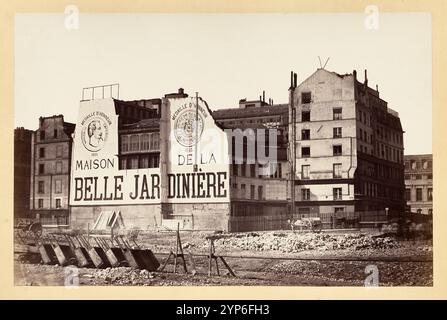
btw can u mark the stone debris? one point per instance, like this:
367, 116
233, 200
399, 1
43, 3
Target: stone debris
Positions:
121, 276
297, 242
389, 273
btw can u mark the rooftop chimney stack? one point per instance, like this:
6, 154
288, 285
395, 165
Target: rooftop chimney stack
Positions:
263, 95
291, 79
294, 80
355, 74
366, 77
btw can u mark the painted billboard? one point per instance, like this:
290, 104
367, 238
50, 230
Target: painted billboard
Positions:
197, 169
198, 162
95, 175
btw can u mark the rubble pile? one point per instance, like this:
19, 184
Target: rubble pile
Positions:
295, 242
121, 276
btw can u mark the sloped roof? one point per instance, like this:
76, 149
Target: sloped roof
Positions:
265, 111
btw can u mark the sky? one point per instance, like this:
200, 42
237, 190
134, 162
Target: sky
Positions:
224, 57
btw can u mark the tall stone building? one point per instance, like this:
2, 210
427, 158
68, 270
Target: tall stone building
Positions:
259, 193
50, 171
419, 183
348, 150
22, 172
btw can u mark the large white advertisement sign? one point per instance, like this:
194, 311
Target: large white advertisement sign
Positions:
95, 177
198, 169
197, 153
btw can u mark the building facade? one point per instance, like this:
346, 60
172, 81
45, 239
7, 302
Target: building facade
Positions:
259, 191
348, 149
22, 172
419, 183
334, 151
51, 147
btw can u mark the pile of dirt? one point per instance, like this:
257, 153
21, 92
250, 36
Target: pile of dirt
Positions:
296, 242
121, 276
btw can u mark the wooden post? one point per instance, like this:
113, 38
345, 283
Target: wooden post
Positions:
210, 254
176, 248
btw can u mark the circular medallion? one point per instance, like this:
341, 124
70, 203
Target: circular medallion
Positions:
94, 134
187, 130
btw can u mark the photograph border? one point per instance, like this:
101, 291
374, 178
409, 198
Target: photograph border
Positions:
438, 11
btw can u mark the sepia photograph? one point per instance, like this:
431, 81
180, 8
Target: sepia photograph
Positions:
223, 149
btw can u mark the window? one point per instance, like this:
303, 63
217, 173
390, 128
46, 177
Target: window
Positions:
41, 187
58, 167
418, 176
429, 164
41, 152
408, 194
337, 170
134, 163
234, 185
305, 134
123, 163
418, 194
260, 193
418, 165
243, 170
42, 135
305, 116
144, 162
337, 113
306, 97
430, 176
305, 171
337, 132
235, 169
361, 134
305, 194
337, 193
155, 141
252, 192
407, 177
430, 211
55, 133
243, 190
59, 150
58, 204
337, 150
252, 170
407, 165
58, 186
40, 203
305, 152
419, 211
144, 141
41, 168
134, 142
124, 143
430, 194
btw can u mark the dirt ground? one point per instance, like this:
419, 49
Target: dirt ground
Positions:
400, 264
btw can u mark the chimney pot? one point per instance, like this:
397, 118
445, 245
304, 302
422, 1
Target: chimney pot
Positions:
294, 80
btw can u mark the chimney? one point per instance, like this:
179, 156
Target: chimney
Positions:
291, 79
263, 95
366, 77
355, 74
180, 91
260, 98
294, 80
377, 87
